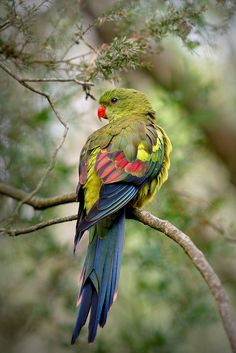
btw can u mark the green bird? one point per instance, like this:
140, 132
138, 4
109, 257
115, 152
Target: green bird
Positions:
122, 165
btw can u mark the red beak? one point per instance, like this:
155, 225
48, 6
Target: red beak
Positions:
102, 112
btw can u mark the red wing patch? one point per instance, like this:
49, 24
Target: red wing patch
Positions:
104, 172
120, 160
122, 164
102, 162
114, 176
114, 167
136, 167
119, 157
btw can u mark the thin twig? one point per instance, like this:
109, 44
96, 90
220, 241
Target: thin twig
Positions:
81, 37
220, 230
67, 50
90, 26
52, 79
59, 61
38, 226
5, 25
35, 9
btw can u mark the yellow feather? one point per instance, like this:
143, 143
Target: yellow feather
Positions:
142, 154
163, 175
157, 145
93, 182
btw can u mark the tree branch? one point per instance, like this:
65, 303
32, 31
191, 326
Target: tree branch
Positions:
38, 203
38, 226
53, 79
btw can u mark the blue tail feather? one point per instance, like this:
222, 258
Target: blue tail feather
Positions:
97, 307
86, 300
100, 278
111, 289
106, 306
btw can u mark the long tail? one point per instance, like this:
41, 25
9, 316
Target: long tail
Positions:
100, 276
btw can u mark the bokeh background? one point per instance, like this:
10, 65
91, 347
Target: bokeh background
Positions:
182, 54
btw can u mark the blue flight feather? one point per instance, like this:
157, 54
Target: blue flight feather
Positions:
108, 205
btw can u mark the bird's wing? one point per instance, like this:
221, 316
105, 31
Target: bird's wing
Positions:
130, 158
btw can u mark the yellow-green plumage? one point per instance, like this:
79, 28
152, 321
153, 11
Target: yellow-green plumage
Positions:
122, 164
149, 190
93, 183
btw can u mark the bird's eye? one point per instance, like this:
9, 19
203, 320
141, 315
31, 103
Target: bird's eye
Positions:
114, 100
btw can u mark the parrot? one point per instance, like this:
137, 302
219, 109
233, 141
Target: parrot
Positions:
122, 165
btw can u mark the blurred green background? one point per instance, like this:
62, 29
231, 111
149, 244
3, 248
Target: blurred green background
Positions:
182, 54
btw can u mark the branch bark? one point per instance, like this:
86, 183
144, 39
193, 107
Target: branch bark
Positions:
38, 203
53, 79
38, 226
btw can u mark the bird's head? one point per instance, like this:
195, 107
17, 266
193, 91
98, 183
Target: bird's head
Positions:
122, 103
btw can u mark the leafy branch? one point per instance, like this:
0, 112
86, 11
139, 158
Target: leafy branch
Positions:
138, 28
